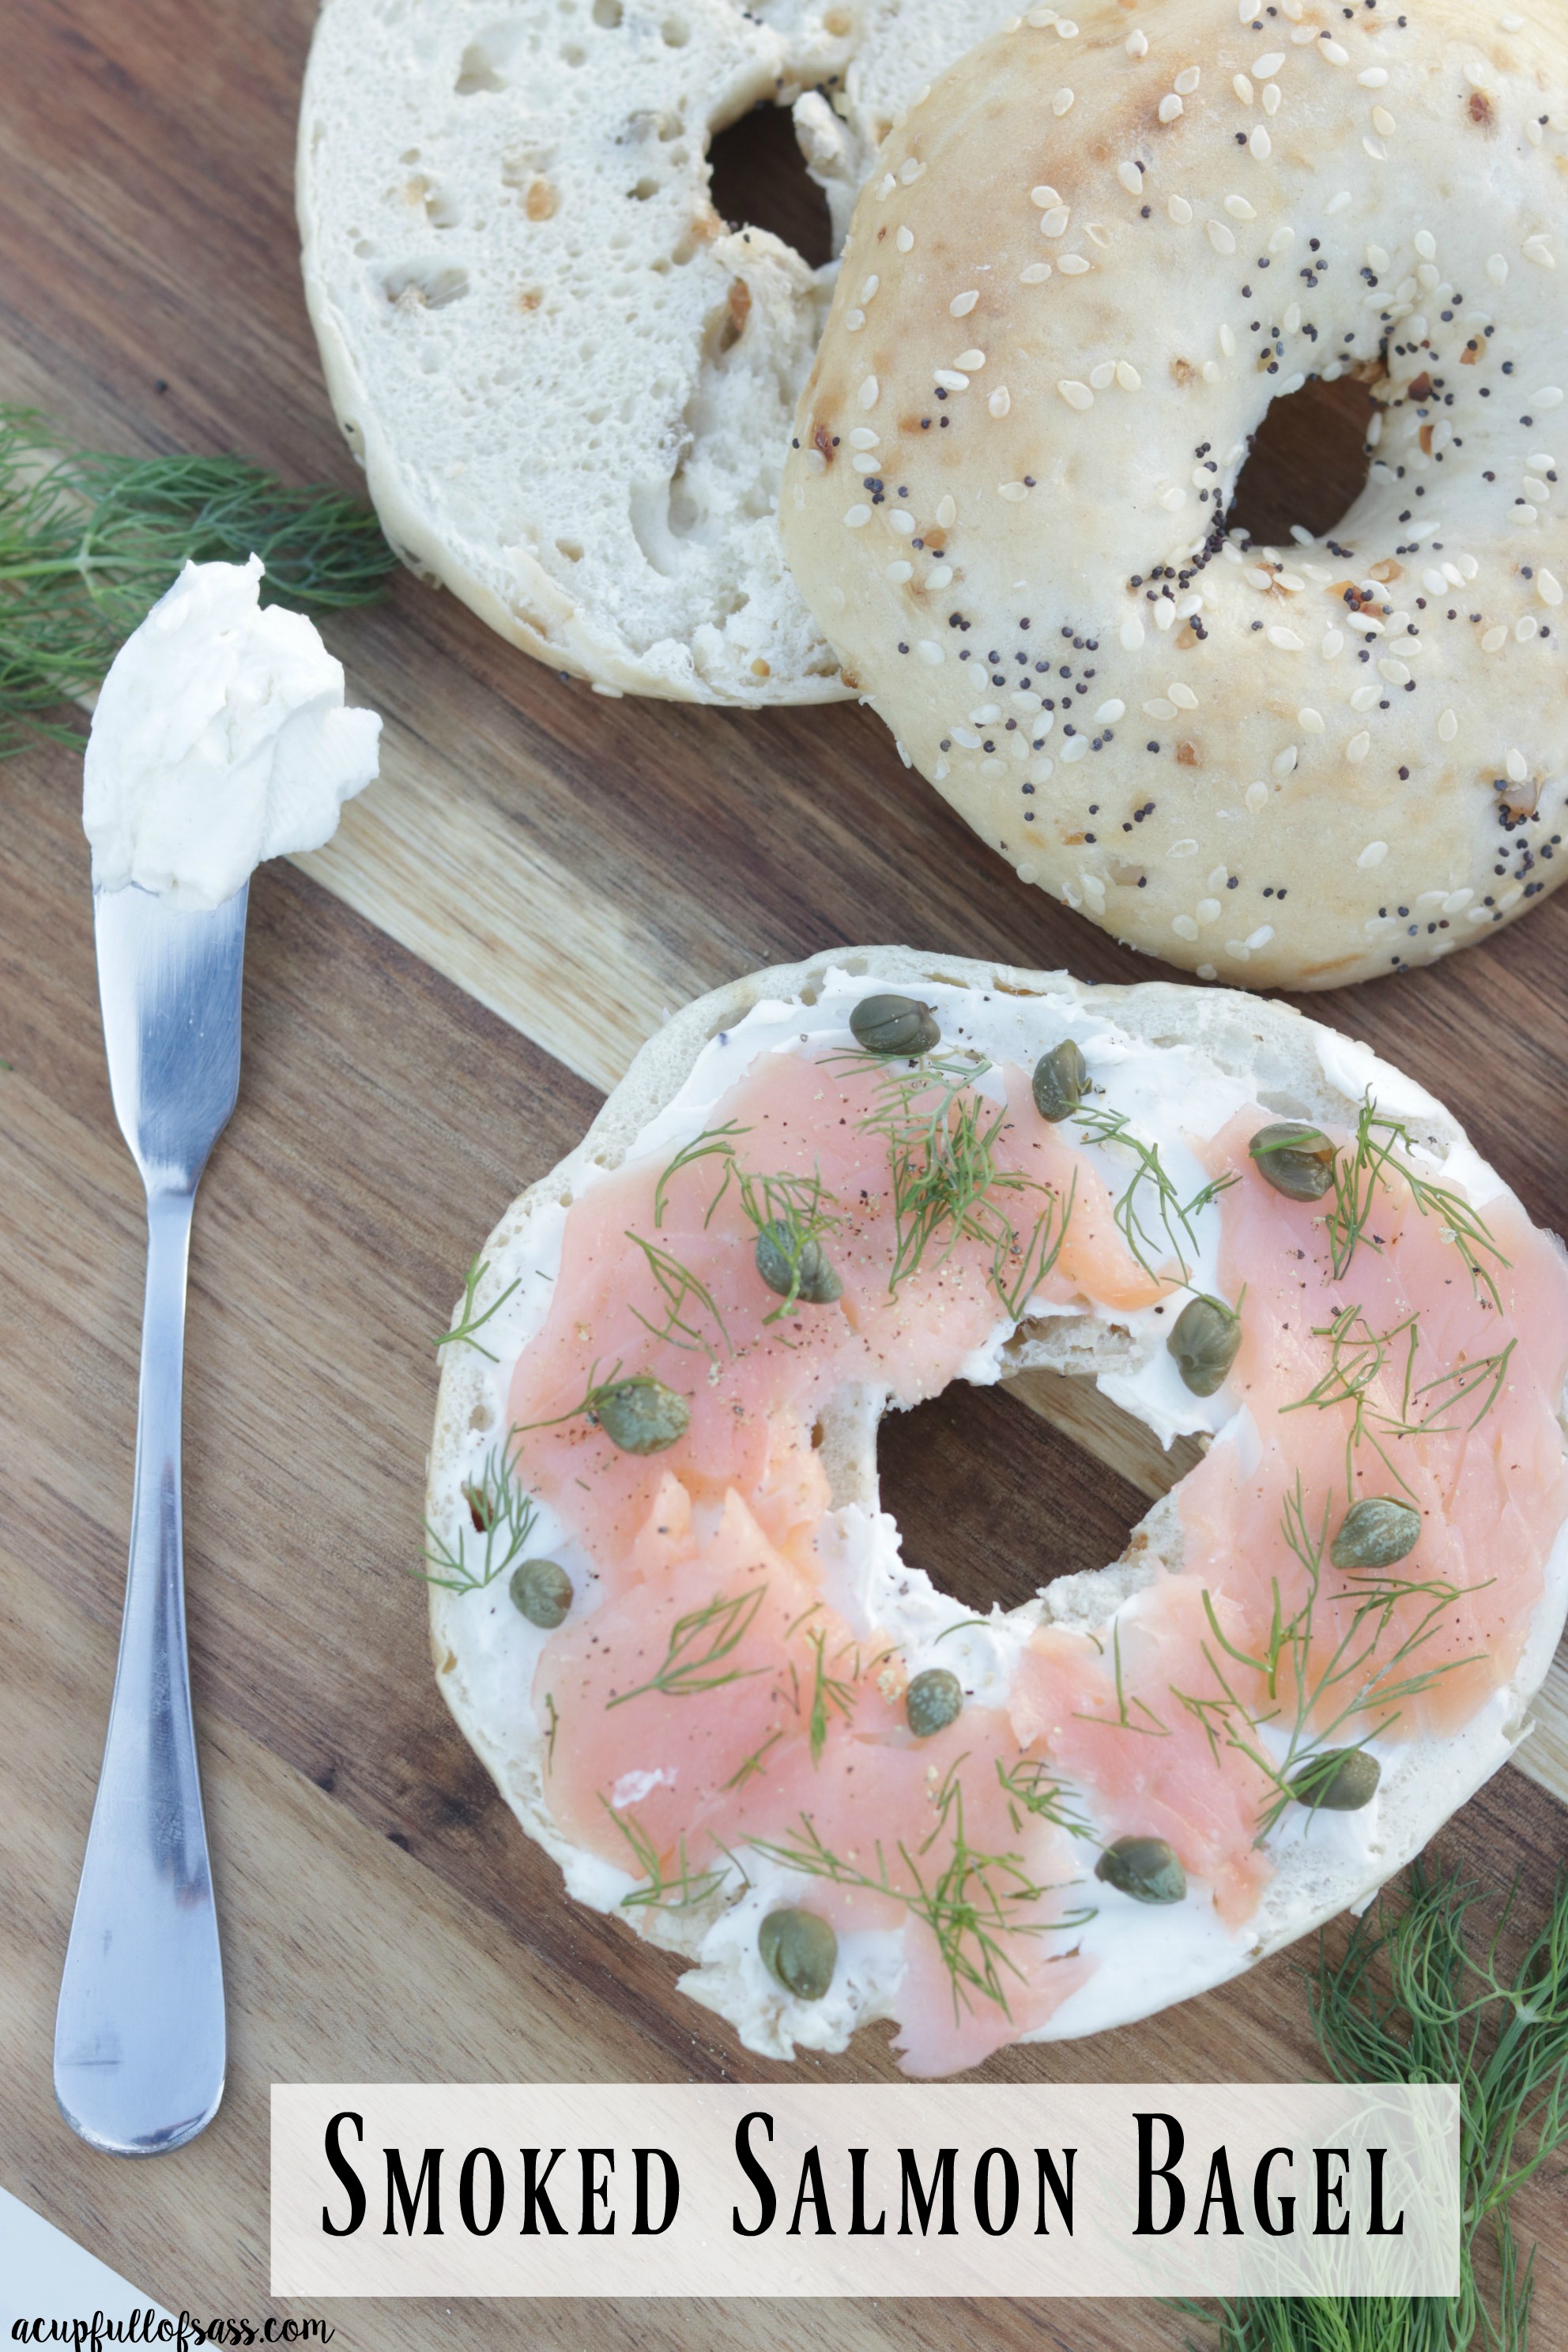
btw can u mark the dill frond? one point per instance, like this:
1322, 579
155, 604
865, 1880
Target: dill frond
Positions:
680, 1891
1030, 1783
1358, 1358
941, 1138
89, 542
498, 1510
678, 1285
698, 1643
1314, 1686
752, 1764
1420, 1993
1149, 1177
970, 1904
1360, 1173
1122, 1718
468, 1323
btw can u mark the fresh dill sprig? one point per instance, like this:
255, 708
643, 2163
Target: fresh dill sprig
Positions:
752, 1764
941, 1137
1363, 1170
795, 1211
678, 1287
827, 1691
467, 1322
970, 1904
1150, 1175
1122, 1718
553, 1723
500, 1511
680, 1891
87, 542
1354, 1679
1420, 1993
1031, 1784
1358, 1357
698, 1643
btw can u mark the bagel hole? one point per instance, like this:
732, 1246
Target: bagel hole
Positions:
758, 177
994, 1500
1308, 463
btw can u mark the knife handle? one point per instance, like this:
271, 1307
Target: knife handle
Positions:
139, 2033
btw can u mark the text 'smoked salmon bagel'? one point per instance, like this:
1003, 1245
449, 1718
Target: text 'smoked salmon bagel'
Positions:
1083, 268
670, 1616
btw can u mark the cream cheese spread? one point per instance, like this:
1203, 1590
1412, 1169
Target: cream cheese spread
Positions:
219, 738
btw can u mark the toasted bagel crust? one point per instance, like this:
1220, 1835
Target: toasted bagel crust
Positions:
1097, 260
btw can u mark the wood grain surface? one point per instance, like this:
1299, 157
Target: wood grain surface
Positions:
540, 877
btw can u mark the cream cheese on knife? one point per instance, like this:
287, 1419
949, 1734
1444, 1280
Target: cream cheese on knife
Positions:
220, 739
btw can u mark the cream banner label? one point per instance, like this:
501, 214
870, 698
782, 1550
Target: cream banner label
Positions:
607, 2190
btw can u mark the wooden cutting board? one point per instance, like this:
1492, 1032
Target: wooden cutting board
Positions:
431, 1007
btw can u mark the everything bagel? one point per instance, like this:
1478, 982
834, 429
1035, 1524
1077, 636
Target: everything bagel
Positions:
671, 1616
1085, 264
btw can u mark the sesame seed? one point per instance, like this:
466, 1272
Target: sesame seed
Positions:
929, 652
971, 359
1374, 78
1077, 395
1497, 269
1137, 44
1269, 64
1130, 177
869, 392
1187, 80
1035, 274
1260, 144
1239, 209
1373, 854
1014, 492
1242, 88
1382, 121
1222, 238
1549, 589
1128, 377
1184, 927
1447, 727
1356, 751
1061, 102
1493, 640
946, 512
1170, 107
1256, 796
961, 304
1551, 395
949, 380
898, 572
1000, 402
856, 517
1181, 696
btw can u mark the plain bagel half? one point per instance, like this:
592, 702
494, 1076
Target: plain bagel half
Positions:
1084, 268
671, 1617
570, 383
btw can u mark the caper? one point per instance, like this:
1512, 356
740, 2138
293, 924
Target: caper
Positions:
1204, 1343
894, 1025
542, 1590
1339, 1780
1297, 1159
640, 1414
1144, 1867
803, 1269
1375, 1533
801, 1951
933, 1701
1060, 1081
